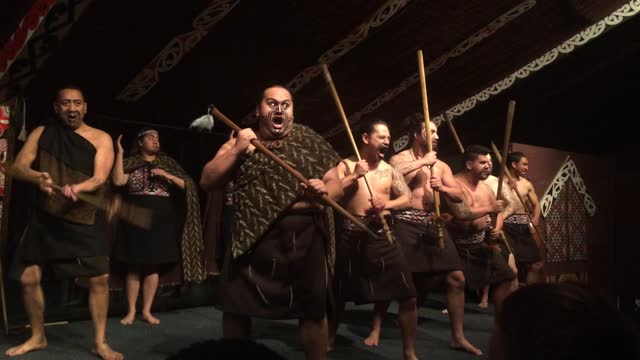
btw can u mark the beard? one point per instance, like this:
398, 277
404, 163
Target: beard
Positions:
425, 146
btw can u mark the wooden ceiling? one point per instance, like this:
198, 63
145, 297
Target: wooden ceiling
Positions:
165, 62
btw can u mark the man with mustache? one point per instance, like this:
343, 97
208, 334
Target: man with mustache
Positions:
482, 263
373, 270
518, 227
64, 233
278, 252
415, 228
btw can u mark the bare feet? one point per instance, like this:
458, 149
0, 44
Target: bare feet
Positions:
128, 320
150, 319
445, 311
106, 353
410, 357
464, 345
373, 338
483, 304
32, 344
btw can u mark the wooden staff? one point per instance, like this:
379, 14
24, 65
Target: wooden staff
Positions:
130, 213
522, 201
461, 148
255, 142
507, 138
455, 136
427, 129
345, 121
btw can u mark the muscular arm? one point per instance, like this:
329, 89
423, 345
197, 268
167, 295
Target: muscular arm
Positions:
537, 210
348, 179
102, 164
22, 166
405, 166
465, 210
219, 170
400, 191
334, 187
118, 177
450, 187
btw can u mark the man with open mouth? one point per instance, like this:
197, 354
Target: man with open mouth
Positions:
67, 234
277, 262
374, 270
483, 265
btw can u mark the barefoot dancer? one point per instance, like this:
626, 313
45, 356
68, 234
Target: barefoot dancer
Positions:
63, 233
154, 180
416, 231
373, 270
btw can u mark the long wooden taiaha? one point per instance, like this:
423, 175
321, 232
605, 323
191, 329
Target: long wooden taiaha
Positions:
259, 146
427, 129
345, 121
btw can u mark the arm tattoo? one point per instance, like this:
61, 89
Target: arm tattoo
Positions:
398, 185
461, 210
406, 167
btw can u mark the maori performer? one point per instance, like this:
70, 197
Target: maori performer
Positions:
279, 255
63, 234
156, 181
415, 228
482, 263
519, 227
374, 270
505, 250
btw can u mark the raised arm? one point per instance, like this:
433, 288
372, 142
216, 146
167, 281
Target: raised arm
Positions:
447, 184
118, 177
406, 165
349, 179
217, 172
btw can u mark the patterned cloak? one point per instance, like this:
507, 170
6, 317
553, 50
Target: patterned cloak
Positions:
263, 190
191, 244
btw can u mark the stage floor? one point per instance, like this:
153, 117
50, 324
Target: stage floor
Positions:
183, 327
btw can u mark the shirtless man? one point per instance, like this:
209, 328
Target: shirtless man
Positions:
509, 209
373, 270
415, 228
483, 265
519, 227
65, 233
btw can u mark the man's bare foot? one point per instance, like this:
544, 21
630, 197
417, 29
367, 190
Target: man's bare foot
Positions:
410, 357
106, 353
331, 344
32, 344
464, 345
373, 338
445, 311
150, 319
484, 304
128, 320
